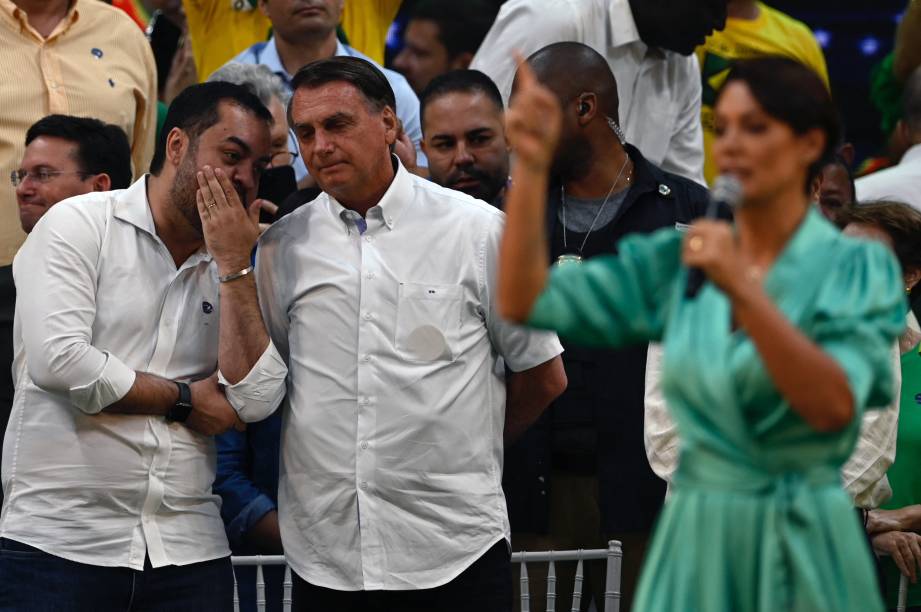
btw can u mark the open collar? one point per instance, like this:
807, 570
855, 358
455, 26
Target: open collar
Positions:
133, 207
17, 19
392, 204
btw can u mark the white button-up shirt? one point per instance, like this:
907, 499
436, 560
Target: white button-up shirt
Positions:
901, 183
659, 91
391, 461
98, 298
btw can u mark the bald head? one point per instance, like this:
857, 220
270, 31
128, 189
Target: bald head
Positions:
570, 69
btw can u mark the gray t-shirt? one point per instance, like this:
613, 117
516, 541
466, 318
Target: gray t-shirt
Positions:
580, 213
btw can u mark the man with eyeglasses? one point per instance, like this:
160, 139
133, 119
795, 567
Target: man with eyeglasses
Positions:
64, 157
68, 156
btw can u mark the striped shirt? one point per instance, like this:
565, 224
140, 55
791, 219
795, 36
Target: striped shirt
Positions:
96, 63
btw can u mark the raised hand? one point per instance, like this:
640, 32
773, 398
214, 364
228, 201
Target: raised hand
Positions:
712, 247
533, 120
230, 230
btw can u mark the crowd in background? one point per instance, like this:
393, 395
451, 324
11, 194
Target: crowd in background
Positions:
169, 101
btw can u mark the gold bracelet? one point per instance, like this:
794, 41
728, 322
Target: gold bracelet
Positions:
235, 275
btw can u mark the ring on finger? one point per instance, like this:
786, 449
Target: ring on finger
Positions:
695, 244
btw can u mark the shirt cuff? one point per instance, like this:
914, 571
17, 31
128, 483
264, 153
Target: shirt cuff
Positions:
114, 382
261, 390
251, 514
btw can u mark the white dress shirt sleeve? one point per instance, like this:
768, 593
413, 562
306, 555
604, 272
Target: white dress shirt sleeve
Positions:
523, 26
55, 274
685, 154
261, 390
660, 433
521, 348
864, 473
271, 284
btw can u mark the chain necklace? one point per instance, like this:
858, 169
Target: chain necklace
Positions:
568, 258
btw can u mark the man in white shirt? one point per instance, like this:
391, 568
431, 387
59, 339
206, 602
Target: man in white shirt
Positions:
305, 32
379, 294
901, 183
138, 336
649, 46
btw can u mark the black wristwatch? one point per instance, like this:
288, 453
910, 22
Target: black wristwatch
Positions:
183, 406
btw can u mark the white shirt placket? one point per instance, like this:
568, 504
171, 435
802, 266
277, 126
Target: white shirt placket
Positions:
365, 461
171, 312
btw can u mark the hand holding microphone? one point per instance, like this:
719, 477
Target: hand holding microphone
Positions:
710, 249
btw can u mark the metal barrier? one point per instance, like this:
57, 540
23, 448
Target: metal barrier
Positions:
613, 554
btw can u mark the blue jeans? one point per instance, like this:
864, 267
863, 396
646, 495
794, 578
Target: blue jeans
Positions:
35, 581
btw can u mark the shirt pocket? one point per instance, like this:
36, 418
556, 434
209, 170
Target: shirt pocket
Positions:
428, 321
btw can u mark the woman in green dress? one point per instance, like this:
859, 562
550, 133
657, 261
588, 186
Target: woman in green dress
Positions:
766, 370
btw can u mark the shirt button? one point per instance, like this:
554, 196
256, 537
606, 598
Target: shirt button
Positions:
52, 85
369, 275
364, 401
366, 358
363, 485
364, 444
369, 238
368, 316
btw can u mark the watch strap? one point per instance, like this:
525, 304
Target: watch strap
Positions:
180, 411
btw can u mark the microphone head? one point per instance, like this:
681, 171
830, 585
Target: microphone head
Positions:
727, 189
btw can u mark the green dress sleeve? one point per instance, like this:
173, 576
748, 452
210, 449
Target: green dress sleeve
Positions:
613, 300
860, 312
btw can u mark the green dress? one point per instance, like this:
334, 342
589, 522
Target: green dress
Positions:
757, 519
904, 474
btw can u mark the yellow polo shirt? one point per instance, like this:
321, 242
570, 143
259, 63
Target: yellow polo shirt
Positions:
772, 33
221, 29
96, 63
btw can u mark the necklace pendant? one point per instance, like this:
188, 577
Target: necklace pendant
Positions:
568, 259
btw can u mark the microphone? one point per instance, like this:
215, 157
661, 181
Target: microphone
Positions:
727, 191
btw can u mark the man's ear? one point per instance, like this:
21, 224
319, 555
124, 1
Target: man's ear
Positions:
392, 125
176, 144
102, 182
461, 61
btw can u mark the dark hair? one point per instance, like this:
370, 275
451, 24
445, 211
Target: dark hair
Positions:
459, 81
902, 224
196, 109
462, 25
362, 74
101, 148
793, 94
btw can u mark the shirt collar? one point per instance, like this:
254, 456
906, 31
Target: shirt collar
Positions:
17, 18
133, 207
799, 250
270, 58
391, 205
912, 155
621, 25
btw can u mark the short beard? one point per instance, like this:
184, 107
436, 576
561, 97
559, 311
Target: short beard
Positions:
573, 159
182, 192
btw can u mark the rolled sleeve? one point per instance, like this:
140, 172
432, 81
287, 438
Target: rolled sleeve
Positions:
261, 390
251, 514
113, 384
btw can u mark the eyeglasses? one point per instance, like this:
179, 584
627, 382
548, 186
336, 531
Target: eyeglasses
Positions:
17, 177
282, 158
